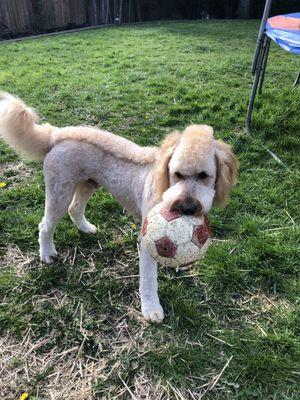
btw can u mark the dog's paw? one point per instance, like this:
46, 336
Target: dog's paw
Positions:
83, 224
87, 227
154, 313
48, 256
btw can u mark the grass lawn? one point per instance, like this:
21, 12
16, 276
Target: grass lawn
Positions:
73, 330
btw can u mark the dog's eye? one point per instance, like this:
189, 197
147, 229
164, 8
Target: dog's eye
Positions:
179, 175
202, 175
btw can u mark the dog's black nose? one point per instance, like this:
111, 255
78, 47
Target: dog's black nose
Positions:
188, 208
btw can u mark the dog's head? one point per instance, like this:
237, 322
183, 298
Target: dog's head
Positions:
194, 171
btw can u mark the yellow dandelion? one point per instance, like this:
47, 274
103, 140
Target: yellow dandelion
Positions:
133, 226
2, 185
24, 396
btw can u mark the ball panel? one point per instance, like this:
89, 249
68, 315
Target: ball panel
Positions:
204, 248
170, 215
179, 231
167, 262
156, 227
200, 235
165, 247
192, 220
188, 253
150, 246
155, 210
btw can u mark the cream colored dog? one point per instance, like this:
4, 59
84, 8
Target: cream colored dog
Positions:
190, 171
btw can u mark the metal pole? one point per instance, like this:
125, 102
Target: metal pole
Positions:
261, 33
297, 79
257, 77
264, 63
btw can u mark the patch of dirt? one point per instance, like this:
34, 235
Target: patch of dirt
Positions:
66, 374
14, 173
16, 259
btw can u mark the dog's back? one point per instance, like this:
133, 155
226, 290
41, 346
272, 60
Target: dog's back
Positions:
19, 128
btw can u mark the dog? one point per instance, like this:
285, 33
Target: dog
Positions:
190, 171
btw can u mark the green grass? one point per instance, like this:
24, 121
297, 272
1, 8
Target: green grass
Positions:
241, 301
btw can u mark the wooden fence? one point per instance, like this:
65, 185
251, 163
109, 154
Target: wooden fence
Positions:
19, 17
22, 17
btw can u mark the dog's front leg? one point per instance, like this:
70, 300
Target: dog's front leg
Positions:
151, 308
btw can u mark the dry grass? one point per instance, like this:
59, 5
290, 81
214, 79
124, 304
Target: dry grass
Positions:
70, 375
65, 375
16, 259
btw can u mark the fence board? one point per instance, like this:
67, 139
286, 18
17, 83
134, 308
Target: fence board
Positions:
78, 12
16, 15
34, 16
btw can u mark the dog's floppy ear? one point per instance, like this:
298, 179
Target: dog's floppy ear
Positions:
161, 170
227, 167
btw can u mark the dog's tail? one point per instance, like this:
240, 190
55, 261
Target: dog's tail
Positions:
18, 128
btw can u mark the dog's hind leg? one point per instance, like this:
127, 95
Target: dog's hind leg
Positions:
59, 194
83, 192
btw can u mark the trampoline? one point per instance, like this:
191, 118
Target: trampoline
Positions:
284, 30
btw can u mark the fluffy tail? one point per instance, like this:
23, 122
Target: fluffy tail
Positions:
18, 128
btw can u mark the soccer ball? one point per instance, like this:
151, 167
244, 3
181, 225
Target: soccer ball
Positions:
175, 239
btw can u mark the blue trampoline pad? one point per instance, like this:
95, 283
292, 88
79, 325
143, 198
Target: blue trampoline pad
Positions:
285, 31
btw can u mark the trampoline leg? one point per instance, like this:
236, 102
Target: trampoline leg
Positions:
261, 33
257, 54
251, 101
257, 76
264, 63
297, 79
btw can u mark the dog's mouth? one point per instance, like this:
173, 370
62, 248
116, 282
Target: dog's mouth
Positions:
188, 206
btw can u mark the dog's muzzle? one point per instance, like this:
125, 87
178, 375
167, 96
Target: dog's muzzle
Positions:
188, 206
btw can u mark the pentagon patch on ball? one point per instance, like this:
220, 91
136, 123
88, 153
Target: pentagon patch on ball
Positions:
174, 239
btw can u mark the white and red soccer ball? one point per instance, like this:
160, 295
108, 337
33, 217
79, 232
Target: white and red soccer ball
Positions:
175, 239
